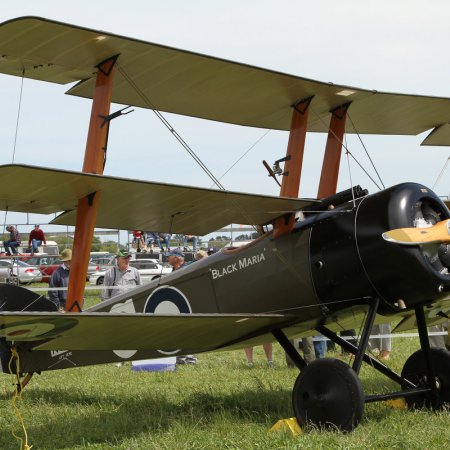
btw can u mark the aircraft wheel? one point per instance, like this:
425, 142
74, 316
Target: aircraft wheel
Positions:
328, 393
415, 370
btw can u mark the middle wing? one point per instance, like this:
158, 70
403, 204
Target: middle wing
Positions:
128, 204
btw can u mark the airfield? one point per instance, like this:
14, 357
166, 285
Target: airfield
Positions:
218, 403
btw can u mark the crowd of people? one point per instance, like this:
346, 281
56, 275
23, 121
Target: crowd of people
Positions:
148, 241
36, 238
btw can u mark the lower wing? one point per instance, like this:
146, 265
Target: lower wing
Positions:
106, 331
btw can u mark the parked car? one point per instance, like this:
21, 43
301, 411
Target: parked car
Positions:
149, 270
19, 272
100, 263
46, 263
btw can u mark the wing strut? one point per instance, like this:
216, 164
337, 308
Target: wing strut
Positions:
293, 167
94, 158
332, 156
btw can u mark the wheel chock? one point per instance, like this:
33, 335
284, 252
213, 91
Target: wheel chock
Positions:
288, 424
397, 403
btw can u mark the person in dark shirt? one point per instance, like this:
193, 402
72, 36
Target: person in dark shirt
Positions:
60, 279
36, 238
14, 241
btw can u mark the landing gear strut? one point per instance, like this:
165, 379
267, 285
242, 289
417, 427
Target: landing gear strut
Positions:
328, 392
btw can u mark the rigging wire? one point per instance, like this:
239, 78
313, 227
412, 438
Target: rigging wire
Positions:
4, 219
441, 173
168, 125
246, 152
18, 116
350, 173
183, 143
365, 149
346, 148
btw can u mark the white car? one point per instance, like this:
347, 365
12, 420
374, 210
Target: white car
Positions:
149, 269
18, 272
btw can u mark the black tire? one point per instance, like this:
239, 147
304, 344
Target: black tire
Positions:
415, 370
14, 280
100, 281
328, 394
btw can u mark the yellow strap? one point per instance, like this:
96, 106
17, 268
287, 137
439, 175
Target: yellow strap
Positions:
18, 396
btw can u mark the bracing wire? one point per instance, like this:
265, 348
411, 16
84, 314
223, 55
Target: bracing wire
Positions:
246, 152
350, 174
346, 148
441, 173
168, 125
365, 149
18, 116
4, 219
183, 143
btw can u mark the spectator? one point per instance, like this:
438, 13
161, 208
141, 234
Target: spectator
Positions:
165, 237
36, 238
158, 238
201, 254
267, 350
60, 280
190, 238
309, 354
138, 241
14, 241
349, 336
383, 343
176, 260
440, 340
153, 238
320, 346
121, 278
211, 251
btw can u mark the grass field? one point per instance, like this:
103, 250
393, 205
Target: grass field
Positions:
217, 404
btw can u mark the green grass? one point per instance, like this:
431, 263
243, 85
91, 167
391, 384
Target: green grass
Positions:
217, 404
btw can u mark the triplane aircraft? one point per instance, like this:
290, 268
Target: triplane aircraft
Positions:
347, 259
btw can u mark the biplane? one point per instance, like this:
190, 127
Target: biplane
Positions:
340, 261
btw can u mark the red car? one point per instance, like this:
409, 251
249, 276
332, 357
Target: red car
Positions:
46, 263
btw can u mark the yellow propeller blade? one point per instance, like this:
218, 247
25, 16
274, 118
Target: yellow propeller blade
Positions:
439, 233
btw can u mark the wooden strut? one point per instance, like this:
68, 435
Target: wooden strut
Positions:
332, 156
293, 168
88, 206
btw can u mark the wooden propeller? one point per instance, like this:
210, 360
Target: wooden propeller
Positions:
439, 233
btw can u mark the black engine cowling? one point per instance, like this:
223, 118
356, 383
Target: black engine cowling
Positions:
350, 259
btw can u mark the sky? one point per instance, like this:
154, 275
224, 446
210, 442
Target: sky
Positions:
399, 46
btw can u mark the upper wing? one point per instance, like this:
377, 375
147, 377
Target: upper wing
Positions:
192, 84
181, 209
107, 331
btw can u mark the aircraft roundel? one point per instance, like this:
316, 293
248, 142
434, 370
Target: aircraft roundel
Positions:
29, 330
167, 300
